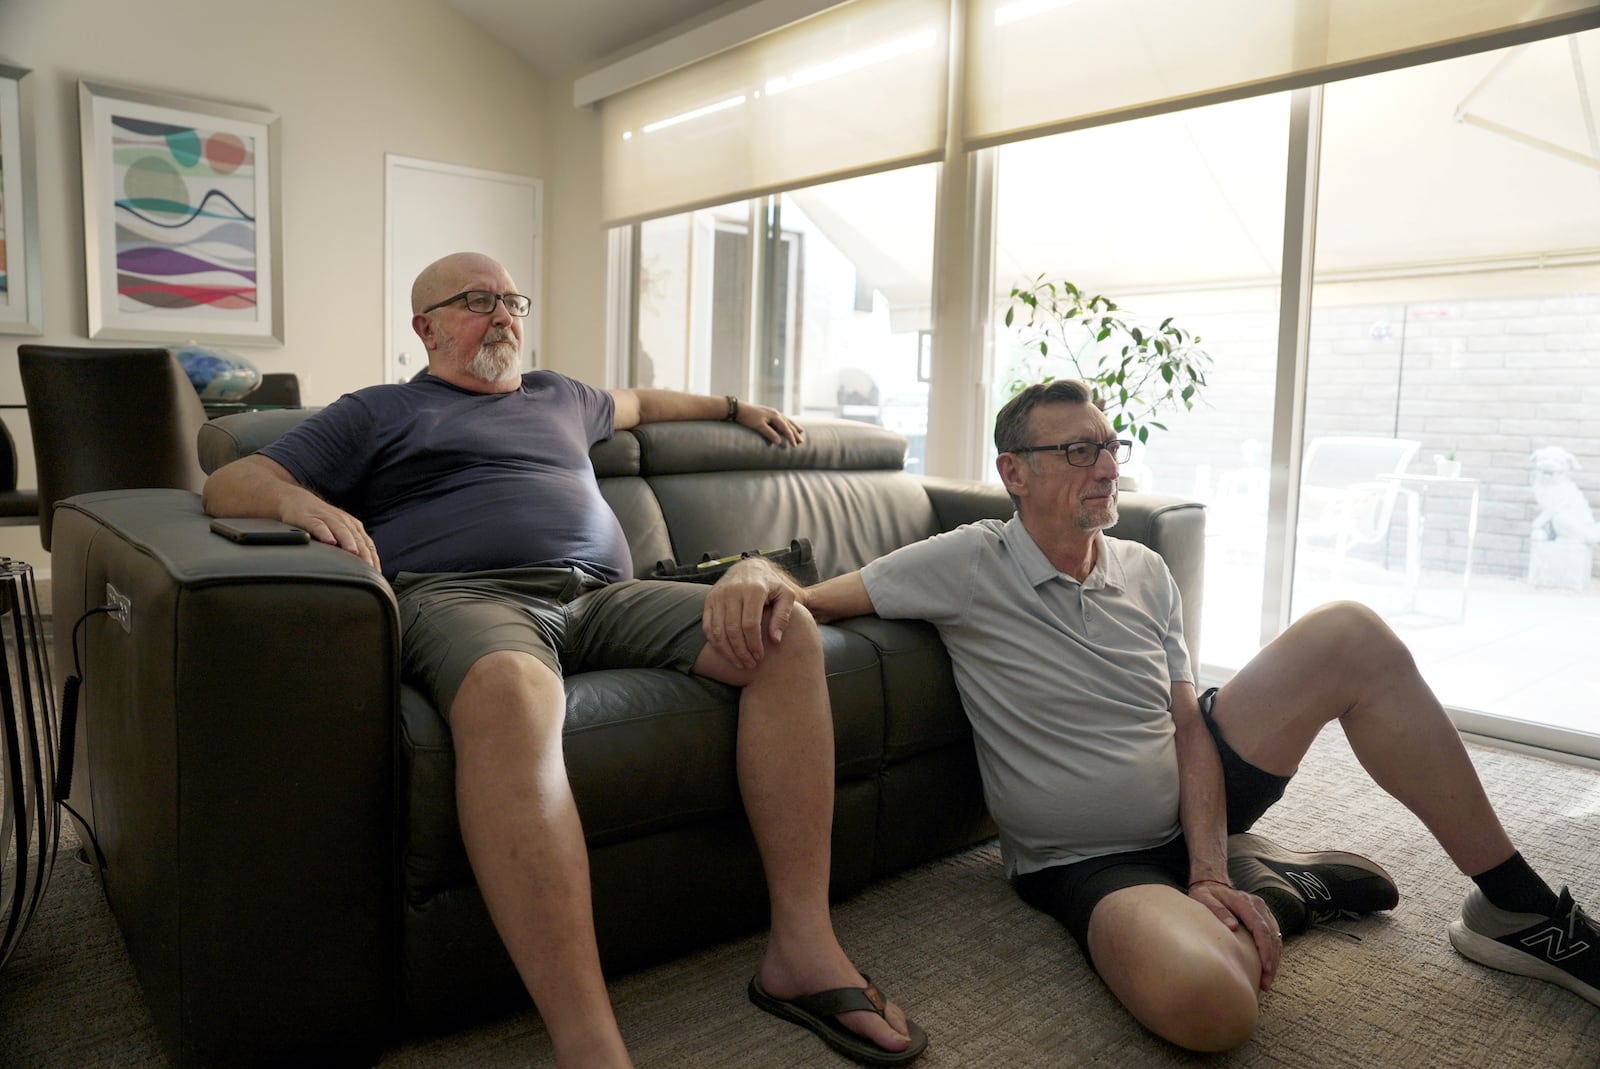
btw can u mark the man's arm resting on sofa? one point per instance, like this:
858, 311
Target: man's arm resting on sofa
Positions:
736, 605
634, 407
259, 486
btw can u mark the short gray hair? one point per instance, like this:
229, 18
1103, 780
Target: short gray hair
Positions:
1011, 426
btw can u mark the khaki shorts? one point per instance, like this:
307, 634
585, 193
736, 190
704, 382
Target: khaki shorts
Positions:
569, 620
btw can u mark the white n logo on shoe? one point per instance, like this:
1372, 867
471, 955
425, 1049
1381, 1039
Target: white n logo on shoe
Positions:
1309, 884
1555, 944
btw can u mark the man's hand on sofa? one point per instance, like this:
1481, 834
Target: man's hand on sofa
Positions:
770, 423
334, 526
737, 605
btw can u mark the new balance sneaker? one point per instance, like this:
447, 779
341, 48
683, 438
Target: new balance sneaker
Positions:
1306, 888
1564, 948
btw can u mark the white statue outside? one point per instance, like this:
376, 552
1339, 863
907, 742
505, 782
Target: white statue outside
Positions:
1565, 529
1563, 510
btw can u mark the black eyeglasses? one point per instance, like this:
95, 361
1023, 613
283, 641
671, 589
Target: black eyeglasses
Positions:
1085, 454
481, 302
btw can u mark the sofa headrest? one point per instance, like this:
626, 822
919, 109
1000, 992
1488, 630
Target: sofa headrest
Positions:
830, 445
652, 449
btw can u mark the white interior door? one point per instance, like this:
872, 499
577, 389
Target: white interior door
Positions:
433, 209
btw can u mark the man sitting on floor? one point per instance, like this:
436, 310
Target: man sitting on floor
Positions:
1124, 801
470, 487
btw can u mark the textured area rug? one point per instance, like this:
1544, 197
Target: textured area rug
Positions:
994, 983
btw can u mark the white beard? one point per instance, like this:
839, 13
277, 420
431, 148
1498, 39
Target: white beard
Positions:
495, 361
1089, 520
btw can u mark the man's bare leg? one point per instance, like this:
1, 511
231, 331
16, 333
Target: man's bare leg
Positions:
1342, 662
1180, 972
785, 764
526, 845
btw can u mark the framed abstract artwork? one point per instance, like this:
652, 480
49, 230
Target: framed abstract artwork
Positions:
21, 308
181, 224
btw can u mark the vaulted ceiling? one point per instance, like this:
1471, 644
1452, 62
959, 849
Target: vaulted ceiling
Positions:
562, 36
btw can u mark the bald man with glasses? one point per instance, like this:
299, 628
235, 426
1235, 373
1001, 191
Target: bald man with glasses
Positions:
470, 488
1124, 800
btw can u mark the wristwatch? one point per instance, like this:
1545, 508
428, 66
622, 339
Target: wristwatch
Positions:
733, 409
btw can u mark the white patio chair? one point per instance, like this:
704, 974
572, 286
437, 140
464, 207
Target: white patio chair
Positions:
1344, 503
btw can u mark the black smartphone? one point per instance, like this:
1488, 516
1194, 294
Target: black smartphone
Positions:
258, 532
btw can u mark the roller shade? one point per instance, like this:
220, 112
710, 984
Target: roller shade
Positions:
858, 88
1040, 66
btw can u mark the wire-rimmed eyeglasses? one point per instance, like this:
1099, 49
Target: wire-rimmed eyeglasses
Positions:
1085, 454
482, 302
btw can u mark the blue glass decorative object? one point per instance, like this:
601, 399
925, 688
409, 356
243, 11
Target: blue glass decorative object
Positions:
217, 376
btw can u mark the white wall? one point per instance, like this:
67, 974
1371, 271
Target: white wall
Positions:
352, 80
575, 267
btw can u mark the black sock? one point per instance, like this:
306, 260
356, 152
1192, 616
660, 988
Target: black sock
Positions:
1512, 885
1290, 913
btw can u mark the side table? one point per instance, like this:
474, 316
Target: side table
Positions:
1426, 483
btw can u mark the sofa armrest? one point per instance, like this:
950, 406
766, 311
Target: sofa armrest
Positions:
236, 751
1174, 527
227, 438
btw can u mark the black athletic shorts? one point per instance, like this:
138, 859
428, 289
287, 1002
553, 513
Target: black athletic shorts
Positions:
1070, 892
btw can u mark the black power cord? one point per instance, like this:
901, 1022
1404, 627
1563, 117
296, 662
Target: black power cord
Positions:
69, 731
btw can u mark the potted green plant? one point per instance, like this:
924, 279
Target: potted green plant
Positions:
1136, 374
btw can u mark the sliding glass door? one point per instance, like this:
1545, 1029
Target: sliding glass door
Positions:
816, 301
1452, 438
1197, 238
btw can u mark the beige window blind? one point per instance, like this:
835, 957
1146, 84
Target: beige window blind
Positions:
855, 89
1040, 66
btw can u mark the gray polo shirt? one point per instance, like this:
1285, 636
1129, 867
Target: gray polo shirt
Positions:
1067, 684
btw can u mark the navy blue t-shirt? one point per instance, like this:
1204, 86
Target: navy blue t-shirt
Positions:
447, 480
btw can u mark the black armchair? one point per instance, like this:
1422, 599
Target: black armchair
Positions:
108, 419
17, 507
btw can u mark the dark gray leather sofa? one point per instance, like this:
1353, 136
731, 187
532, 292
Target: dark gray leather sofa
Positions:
277, 810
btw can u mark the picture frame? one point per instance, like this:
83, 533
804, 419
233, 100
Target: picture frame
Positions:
21, 301
182, 226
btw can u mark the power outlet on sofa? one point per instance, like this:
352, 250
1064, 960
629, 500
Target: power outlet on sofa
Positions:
121, 607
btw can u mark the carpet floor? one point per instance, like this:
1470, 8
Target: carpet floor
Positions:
994, 983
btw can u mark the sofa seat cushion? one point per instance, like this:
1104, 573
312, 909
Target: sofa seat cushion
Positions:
646, 750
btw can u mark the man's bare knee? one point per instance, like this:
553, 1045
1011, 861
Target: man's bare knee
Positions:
800, 636
504, 687
1217, 1013
1348, 633
1176, 968
1202, 1000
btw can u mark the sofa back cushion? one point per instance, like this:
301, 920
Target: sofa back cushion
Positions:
686, 489
850, 517
721, 490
